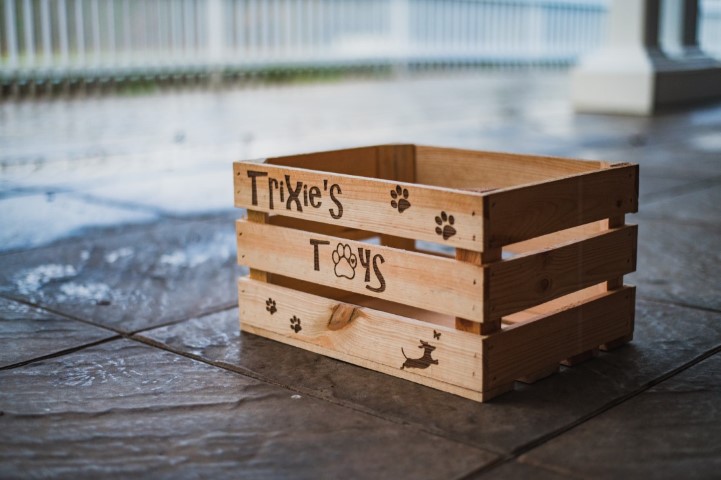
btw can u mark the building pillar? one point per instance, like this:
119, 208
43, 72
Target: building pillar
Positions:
630, 74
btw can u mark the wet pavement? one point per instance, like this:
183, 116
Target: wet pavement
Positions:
121, 348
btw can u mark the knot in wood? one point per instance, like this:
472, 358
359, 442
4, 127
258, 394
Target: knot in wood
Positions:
342, 315
544, 285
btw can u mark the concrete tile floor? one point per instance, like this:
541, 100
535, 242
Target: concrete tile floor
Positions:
121, 349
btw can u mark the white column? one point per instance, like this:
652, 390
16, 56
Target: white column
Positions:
619, 77
10, 34
630, 74
216, 38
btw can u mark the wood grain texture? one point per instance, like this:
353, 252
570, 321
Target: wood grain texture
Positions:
366, 337
515, 215
261, 218
364, 204
522, 282
397, 162
424, 281
350, 161
389, 162
471, 169
529, 347
318, 227
489, 324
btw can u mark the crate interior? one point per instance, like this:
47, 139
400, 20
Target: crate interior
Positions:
442, 167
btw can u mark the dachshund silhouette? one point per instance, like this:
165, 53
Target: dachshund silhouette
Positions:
424, 362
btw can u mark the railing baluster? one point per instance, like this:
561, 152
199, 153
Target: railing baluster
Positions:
29, 34
11, 34
63, 35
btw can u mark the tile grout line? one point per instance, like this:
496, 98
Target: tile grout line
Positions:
61, 353
58, 312
693, 186
655, 218
523, 449
211, 311
679, 304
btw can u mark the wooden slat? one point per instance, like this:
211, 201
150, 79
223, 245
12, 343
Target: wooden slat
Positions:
526, 348
556, 238
522, 282
424, 281
363, 336
366, 204
489, 325
454, 168
515, 215
261, 218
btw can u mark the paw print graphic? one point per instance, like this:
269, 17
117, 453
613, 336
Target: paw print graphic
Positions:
345, 261
295, 324
270, 306
400, 199
445, 225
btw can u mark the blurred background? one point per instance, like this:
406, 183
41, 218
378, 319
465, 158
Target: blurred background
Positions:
118, 112
66, 44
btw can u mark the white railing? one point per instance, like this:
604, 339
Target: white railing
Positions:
57, 39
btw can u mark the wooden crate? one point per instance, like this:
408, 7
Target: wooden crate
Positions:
526, 270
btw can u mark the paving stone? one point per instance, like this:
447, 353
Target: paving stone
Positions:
670, 431
123, 408
698, 206
27, 333
33, 220
653, 188
666, 336
147, 277
677, 261
518, 471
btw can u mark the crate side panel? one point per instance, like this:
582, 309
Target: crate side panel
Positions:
518, 214
424, 281
432, 355
523, 282
454, 168
401, 209
525, 348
